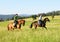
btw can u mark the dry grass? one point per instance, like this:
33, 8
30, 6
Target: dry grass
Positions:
32, 35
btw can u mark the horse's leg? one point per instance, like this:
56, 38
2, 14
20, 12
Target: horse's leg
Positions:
13, 27
8, 27
45, 28
44, 25
19, 26
24, 23
31, 25
35, 26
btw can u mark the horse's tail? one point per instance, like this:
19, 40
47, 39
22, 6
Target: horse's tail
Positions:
31, 25
24, 23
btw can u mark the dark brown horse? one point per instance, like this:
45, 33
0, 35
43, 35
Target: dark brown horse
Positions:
35, 23
11, 26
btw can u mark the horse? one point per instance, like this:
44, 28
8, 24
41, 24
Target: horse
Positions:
22, 21
35, 23
10, 26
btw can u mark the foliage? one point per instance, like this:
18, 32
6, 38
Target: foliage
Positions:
53, 13
34, 17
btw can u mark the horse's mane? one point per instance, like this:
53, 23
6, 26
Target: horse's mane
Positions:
34, 21
44, 18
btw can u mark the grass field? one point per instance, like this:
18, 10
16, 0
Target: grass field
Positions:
32, 35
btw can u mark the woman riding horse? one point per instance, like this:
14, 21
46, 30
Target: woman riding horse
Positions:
35, 23
40, 19
18, 26
15, 20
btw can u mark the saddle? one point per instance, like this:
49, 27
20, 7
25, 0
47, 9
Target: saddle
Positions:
15, 24
40, 22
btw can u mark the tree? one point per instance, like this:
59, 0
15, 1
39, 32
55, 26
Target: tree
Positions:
34, 17
53, 14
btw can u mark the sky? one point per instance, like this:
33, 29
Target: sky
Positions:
28, 6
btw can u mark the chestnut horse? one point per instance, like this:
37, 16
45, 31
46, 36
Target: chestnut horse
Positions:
35, 23
11, 26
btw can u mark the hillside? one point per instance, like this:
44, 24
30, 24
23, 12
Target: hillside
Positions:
4, 17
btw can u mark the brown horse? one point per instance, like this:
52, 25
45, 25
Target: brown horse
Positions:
35, 23
11, 26
22, 21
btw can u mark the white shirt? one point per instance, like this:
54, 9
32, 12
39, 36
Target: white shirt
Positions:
40, 18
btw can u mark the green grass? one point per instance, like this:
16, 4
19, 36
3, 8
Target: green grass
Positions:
32, 35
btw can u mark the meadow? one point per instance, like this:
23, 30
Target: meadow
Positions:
52, 34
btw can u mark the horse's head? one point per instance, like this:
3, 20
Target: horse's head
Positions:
47, 19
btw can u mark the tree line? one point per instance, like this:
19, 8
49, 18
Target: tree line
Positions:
53, 13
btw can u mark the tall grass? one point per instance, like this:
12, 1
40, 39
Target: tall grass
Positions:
32, 35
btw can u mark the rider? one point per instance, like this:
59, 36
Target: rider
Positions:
40, 19
15, 20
